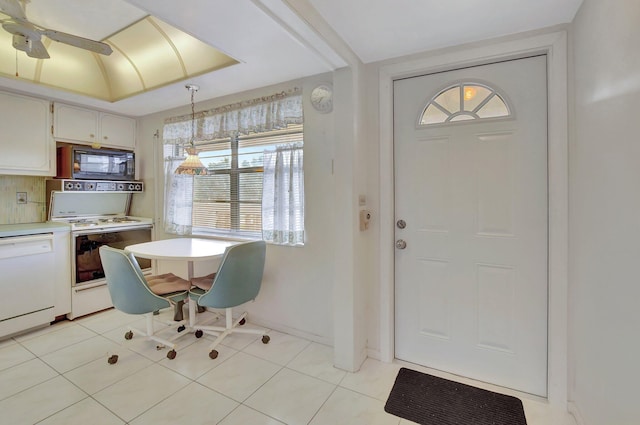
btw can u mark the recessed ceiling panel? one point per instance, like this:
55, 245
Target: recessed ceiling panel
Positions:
146, 55
198, 57
150, 51
122, 75
74, 69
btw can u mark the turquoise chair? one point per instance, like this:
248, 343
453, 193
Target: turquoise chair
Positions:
236, 282
132, 293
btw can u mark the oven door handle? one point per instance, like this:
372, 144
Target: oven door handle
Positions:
80, 288
93, 230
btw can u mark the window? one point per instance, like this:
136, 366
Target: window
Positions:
463, 102
228, 200
254, 188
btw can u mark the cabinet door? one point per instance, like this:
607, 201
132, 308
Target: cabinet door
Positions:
26, 144
117, 131
75, 124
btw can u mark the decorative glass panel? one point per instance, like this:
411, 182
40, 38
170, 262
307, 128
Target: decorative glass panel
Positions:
464, 102
450, 100
474, 95
433, 115
494, 108
462, 117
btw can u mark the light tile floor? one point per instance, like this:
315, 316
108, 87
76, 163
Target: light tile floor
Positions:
59, 375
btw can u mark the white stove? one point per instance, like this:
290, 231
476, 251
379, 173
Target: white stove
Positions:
96, 218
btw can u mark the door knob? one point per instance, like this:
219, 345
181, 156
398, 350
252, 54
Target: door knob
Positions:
401, 244
401, 224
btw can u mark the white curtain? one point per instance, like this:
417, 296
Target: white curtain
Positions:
178, 202
254, 116
283, 196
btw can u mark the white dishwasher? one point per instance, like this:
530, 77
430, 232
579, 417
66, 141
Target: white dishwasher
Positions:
27, 280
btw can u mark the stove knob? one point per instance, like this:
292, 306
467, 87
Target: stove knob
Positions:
78, 186
131, 187
120, 186
68, 185
138, 187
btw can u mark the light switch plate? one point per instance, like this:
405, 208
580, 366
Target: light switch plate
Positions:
21, 197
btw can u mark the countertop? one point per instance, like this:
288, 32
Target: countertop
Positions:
24, 229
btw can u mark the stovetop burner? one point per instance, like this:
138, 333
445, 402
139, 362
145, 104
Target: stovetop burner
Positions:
105, 222
119, 220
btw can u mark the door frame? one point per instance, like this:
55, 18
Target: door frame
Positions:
554, 45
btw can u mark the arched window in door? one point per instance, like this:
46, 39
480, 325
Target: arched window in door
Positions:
462, 102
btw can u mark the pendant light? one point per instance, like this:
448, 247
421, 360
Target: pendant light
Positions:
192, 164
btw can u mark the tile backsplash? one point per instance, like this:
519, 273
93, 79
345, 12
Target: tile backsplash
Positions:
33, 211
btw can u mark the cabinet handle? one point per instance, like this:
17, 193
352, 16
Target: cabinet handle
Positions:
105, 137
92, 136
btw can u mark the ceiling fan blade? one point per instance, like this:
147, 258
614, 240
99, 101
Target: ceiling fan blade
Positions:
81, 42
13, 8
37, 50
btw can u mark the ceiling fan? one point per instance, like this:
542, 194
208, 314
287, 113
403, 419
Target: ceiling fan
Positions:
27, 36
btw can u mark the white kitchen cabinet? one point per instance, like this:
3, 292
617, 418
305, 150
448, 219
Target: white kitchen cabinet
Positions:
71, 123
25, 139
86, 126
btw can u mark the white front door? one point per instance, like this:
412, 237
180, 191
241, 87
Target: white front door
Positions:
471, 281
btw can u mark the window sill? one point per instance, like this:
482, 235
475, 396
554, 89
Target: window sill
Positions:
225, 236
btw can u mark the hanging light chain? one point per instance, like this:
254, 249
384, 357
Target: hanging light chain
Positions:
193, 119
193, 89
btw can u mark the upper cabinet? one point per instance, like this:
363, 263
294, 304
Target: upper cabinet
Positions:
79, 125
25, 136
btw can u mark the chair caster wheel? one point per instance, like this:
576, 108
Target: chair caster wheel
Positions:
181, 328
128, 335
242, 322
266, 339
199, 333
113, 359
213, 354
171, 354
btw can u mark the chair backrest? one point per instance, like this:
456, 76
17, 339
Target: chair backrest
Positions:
239, 276
127, 286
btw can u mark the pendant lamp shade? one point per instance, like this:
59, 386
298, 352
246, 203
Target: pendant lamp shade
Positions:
192, 164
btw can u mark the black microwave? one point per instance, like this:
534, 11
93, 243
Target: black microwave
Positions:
78, 162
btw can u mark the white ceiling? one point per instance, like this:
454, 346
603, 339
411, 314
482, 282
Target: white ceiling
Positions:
383, 29
279, 40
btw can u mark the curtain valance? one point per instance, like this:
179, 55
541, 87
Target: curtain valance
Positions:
253, 116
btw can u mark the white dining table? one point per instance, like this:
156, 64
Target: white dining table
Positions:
182, 249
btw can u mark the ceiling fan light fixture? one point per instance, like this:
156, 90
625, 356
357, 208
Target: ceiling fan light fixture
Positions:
20, 42
192, 164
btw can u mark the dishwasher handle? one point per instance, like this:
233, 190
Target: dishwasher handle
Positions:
20, 246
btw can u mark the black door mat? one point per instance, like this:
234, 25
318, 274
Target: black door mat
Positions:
429, 400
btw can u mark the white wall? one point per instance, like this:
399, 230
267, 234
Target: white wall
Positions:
297, 290
604, 214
